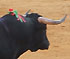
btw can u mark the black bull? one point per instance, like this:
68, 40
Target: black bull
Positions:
17, 37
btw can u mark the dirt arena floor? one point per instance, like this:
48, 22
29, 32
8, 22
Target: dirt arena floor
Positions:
58, 35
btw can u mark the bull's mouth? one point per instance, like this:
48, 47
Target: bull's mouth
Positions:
33, 50
38, 49
44, 48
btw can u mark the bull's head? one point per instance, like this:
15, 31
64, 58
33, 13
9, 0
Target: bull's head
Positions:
40, 40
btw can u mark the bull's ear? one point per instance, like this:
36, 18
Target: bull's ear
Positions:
50, 21
27, 13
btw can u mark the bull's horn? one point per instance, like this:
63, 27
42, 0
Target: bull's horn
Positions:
50, 21
27, 13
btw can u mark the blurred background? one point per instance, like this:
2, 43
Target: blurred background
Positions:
59, 36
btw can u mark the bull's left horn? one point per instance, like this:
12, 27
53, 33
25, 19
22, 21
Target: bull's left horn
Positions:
27, 13
50, 21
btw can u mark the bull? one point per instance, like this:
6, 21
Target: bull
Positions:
17, 37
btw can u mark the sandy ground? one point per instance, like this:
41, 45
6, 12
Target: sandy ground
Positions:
58, 35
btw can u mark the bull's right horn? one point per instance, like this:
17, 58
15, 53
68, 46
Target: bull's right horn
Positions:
50, 21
